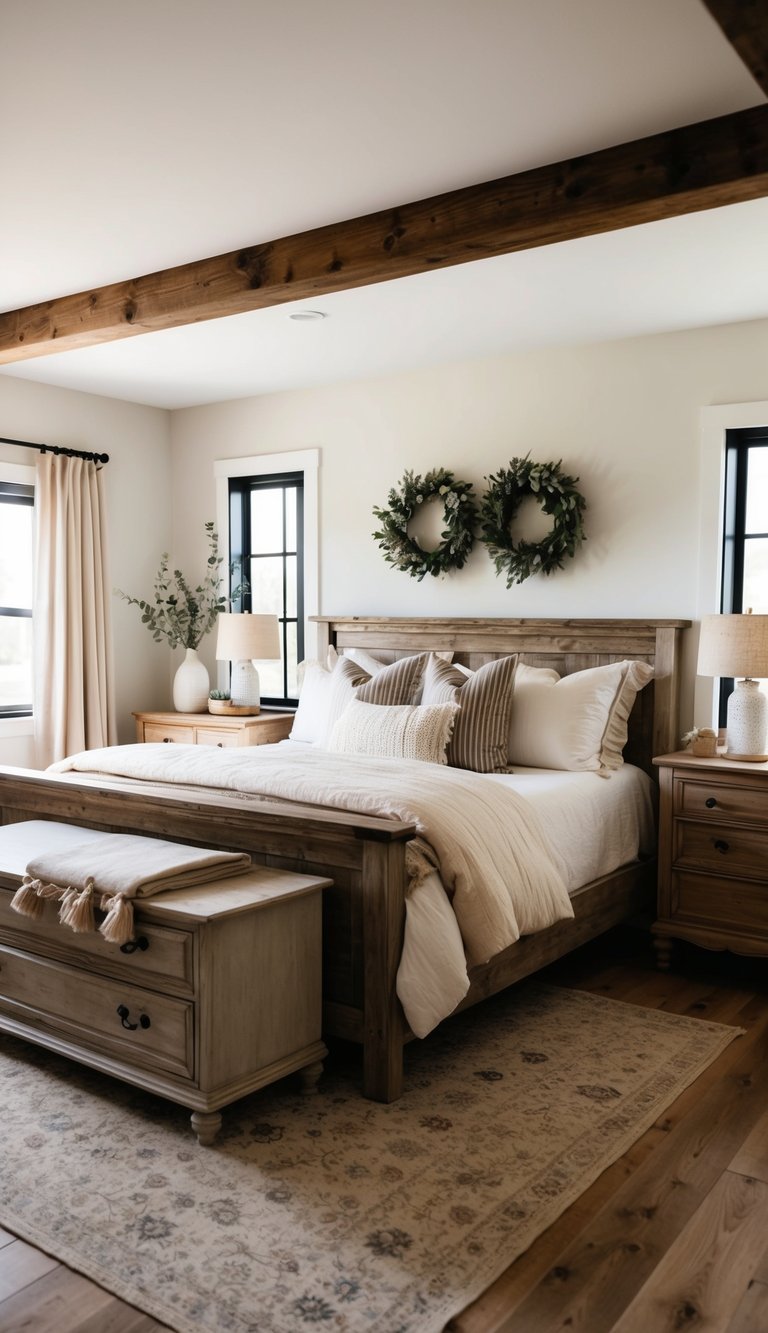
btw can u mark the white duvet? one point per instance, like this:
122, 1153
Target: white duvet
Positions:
500, 875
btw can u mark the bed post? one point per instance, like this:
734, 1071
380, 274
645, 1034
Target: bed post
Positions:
384, 880
666, 732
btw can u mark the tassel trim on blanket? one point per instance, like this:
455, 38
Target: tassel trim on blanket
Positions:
76, 908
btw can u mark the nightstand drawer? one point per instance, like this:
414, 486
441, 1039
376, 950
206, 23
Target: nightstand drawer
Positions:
220, 738
721, 902
721, 849
181, 735
705, 800
153, 1031
162, 956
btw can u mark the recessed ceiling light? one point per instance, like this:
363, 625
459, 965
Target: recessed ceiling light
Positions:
308, 315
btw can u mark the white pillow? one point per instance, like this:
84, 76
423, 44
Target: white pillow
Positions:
324, 696
402, 731
578, 722
531, 675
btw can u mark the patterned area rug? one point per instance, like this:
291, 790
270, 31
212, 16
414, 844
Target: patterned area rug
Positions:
333, 1212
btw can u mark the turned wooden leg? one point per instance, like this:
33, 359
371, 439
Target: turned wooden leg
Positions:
663, 946
310, 1077
206, 1125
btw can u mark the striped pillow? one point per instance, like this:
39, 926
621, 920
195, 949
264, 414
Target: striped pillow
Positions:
481, 731
398, 683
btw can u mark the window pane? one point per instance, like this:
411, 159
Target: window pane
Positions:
15, 661
266, 521
267, 585
756, 575
293, 674
290, 517
16, 555
271, 680
757, 491
290, 585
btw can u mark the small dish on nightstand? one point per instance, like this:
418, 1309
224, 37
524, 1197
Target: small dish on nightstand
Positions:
225, 708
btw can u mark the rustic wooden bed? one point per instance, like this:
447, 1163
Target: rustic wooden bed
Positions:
364, 911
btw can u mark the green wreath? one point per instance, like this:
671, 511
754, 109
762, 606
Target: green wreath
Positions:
557, 495
459, 517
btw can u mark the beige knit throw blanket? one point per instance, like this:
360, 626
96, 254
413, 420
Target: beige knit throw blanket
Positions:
109, 872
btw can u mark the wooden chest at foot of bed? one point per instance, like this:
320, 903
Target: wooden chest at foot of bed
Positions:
217, 994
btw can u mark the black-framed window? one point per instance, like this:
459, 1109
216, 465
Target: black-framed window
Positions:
745, 530
266, 544
16, 552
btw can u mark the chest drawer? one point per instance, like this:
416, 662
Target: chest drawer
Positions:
163, 957
706, 800
169, 734
721, 849
84, 1008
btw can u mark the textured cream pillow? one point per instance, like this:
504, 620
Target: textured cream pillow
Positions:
578, 722
403, 731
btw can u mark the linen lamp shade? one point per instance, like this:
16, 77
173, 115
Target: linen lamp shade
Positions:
242, 639
737, 645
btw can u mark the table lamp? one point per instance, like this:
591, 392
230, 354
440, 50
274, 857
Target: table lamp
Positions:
243, 638
737, 645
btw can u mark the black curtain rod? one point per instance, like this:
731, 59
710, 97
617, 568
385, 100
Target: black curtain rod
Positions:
57, 449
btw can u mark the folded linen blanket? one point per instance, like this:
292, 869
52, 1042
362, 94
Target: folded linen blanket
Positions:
115, 868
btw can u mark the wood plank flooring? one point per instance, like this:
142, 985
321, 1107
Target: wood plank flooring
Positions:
672, 1237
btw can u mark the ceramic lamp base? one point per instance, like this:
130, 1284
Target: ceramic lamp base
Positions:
244, 686
746, 728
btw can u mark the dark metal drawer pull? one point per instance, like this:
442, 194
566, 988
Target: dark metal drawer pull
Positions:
721, 846
123, 1011
141, 943
710, 803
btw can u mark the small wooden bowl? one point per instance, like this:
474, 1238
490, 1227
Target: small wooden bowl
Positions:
225, 708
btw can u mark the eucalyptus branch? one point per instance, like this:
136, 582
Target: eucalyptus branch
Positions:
180, 614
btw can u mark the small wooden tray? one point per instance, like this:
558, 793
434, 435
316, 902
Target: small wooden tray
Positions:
226, 709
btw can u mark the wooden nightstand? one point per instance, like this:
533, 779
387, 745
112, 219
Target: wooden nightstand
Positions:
713, 855
209, 729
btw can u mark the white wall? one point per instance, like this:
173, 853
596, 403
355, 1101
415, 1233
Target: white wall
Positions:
623, 416
138, 494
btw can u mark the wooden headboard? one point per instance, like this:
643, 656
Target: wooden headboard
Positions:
566, 645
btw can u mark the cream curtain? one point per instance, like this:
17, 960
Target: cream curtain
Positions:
73, 682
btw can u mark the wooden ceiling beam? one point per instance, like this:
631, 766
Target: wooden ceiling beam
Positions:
716, 162
745, 24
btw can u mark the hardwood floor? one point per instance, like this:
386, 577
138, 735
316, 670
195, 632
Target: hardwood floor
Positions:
673, 1236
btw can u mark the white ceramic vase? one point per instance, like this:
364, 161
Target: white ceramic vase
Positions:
191, 685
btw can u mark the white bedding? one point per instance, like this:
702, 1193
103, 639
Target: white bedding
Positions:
504, 876
593, 826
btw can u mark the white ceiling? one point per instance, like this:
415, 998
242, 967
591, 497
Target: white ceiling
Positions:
143, 134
